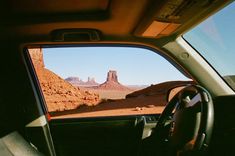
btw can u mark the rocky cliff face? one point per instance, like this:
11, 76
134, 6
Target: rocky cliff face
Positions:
59, 94
37, 57
112, 83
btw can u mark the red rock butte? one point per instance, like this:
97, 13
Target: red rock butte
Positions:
112, 83
112, 76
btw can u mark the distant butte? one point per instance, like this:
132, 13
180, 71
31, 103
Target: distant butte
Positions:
76, 81
91, 82
112, 83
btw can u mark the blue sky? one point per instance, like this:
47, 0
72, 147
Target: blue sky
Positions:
135, 66
215, 40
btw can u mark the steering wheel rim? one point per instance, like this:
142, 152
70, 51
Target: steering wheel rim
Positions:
201, 99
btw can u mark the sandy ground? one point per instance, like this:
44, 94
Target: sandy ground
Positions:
130, 106
109, 94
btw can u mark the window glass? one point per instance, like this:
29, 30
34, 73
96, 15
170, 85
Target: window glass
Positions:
104, 81
214, 39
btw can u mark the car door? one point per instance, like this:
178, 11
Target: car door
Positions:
115, 108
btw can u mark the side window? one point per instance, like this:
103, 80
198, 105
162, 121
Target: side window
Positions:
104, 81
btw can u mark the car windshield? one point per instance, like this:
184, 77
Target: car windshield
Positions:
214, 40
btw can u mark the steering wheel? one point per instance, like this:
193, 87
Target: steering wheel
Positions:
190, 116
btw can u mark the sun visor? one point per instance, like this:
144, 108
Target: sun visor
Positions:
160, 29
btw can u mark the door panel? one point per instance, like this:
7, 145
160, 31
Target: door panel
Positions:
97, 136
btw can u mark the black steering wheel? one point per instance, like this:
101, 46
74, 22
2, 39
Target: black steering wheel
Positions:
190, 117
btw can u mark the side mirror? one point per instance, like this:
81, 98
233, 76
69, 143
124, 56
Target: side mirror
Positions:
173, 91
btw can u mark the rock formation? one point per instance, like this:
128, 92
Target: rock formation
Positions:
112, 83
36, 56
112, 76
76, 81
91, 82
158, 89
59, 94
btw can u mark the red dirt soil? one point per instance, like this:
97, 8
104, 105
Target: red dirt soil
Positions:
130, 106
151, 100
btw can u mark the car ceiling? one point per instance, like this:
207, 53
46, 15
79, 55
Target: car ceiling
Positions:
111, 17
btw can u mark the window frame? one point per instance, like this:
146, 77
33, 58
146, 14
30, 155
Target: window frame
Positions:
36, 84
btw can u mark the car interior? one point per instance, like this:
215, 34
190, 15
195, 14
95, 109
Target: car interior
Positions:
200, 125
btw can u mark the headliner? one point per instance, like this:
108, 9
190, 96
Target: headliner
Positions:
111, 17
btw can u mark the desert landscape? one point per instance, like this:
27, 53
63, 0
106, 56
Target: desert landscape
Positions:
71, 97
110, 89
